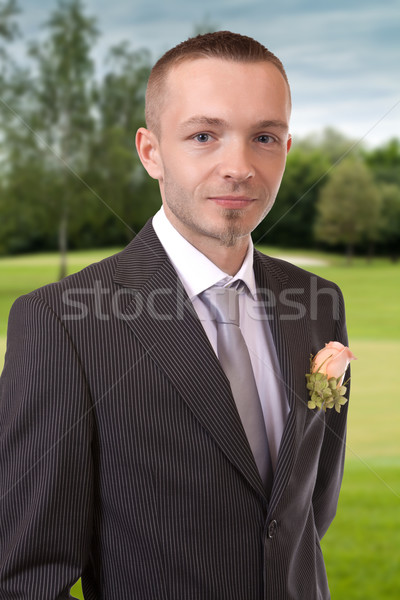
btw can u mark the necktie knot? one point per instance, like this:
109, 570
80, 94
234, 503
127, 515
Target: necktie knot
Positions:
223, 304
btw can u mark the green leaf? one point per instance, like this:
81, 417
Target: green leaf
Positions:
332, 383
320, 376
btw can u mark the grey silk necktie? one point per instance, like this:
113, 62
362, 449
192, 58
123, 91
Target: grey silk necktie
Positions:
223, 303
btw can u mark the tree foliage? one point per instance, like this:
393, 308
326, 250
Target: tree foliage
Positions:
63, 91
384, 162
349, 206
114, 167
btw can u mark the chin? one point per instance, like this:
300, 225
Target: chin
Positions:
230, 236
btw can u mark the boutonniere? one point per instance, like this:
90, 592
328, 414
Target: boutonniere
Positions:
325, 380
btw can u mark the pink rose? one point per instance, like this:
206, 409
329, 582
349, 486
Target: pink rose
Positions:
333, 360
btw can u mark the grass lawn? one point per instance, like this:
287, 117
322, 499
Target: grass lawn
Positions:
362, 547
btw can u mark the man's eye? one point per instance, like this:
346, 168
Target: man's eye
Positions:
265, 139
202, 137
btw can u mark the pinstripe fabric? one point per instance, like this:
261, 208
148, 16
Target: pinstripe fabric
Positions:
123, 459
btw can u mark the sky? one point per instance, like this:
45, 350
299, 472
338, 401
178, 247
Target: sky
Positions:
342, 57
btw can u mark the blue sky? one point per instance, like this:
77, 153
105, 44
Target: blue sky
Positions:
342, 57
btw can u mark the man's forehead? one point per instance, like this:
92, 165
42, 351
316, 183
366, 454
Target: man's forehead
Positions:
220, 73
203, 78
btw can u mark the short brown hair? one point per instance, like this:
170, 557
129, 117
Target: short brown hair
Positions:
220, 44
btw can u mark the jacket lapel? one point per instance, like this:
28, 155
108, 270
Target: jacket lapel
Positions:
161, 316
291, 333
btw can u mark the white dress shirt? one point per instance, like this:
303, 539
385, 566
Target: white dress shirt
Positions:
197, 273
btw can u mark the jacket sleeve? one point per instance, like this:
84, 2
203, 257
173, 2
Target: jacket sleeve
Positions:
331, 461
46, 474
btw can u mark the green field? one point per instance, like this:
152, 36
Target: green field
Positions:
362, 547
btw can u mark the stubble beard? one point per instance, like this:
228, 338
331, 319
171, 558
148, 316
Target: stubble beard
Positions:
229, 237
181, 209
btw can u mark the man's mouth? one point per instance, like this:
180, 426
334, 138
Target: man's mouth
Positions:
233, 202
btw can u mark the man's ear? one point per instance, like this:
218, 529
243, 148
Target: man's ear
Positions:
289, 143
148, 149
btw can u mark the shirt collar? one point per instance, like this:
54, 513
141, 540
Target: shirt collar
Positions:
195, 270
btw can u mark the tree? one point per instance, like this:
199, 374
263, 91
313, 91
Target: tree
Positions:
115, 168
25, 208
348, 207
63, 92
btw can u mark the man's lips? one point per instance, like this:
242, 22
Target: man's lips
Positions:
232, 201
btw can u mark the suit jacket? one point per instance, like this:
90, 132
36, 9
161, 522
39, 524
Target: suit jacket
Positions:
122, 456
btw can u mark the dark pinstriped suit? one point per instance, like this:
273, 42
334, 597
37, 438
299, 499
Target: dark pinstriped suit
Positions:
123, 458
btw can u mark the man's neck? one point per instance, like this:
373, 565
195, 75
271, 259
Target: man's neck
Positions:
228, 259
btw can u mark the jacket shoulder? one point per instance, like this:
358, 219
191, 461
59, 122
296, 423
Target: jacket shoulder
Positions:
290, 274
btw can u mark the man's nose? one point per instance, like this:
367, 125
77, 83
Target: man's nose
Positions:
236, 163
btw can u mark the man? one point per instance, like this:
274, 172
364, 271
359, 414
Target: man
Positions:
126, 457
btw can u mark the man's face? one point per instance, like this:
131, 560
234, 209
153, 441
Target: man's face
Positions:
222, 148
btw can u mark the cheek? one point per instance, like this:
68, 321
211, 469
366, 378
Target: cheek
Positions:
271, 169
189, 176
280, 168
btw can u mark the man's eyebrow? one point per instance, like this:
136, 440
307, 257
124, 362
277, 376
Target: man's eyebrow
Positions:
204, 121
275, 123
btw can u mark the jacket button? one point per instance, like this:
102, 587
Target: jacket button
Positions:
272, 528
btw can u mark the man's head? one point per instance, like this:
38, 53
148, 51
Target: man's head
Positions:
217, 137
221, 44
